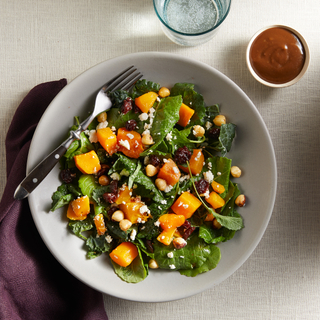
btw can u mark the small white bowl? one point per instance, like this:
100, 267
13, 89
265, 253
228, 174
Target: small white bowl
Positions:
285, 84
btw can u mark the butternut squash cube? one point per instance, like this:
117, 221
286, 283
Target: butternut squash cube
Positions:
185, 114
124, 254
215, 200
99, 223
166, 236
195, 163
81, 206
107, 139
186, 205
169, 172
135, 211
130, 143
146, 101
87, 163
217, 187
124, 195
171, 220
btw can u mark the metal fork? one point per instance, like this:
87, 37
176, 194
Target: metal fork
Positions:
125, 80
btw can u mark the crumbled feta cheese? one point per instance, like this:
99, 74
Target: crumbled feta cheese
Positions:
182, 257
133, 234
92, 134
210, 165
165, 160
219, 173
125, 143
168, 188
170, 255
102, 125
185, 177
169, 136
163, 201
109, 238
143, 116
130, 135
113, 128
207, 194
197, 158
176, 170
115, 176
186, 206
208, 176
172, 266
208, 125
144, 209
157, 223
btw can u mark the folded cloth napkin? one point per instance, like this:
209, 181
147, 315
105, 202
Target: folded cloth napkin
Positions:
33, 285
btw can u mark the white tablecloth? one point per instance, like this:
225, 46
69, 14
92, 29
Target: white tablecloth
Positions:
43, 40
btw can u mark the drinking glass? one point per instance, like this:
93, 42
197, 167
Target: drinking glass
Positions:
191, 22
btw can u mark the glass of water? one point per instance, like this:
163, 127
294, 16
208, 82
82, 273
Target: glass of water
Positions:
191, 22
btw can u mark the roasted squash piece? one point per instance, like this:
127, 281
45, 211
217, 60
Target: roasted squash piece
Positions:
107, 139
195, 163
129, 143
146, 101
166, 236
215, 200
171, 220
81, 206
124, 195
99, 223
217, 187
185, 114
169, 172
124, 254
135, 211
87, 163
186, 205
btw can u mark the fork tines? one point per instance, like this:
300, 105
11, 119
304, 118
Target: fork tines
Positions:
125, 80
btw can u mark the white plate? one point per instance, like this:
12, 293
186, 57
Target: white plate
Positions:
252, 151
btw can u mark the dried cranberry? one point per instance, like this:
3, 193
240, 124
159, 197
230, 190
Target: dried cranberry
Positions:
131, 125
136, 109
103, 170
149, 246
202, 186
188, 232
113, 186
109, 197
67, 175
126, 105
154, 160
112, 210
186, 225
182, 155
214, 133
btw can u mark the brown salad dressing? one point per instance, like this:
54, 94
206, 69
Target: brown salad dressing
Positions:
277, 55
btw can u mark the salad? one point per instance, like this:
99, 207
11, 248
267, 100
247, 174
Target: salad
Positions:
149, 183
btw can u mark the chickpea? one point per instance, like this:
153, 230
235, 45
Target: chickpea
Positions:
151, 170
117, 216
198, 131
219, 120
179, 243
125, 224
235, 172
104, 180
102, 117
164, 92
147, 139
153, 264
161, 184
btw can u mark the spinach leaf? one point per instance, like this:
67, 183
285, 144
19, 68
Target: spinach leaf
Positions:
87, 184
79, 226
144, 86
123, 162
61, 197
165, 118
134, 273
192, 99
118, 120
96, 246
196, 257
210, 235
115, 231
212, 112
117, 97
133, 176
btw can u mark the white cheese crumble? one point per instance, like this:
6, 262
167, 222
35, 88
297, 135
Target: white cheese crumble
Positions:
109, 238
102, 125
197, 158
157, 223
144, 209
143, 116
113, 128
176, 170
133, 234
130, 135
208, 176
170, 255
92, 134
208, 125
165, 160
168, 188
125, 143
169, 136
115, 176
172, 266
163, 201
219, 173
185, 177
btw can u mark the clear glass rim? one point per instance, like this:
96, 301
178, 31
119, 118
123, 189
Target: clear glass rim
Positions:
192, 34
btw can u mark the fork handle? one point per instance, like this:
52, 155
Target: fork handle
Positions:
35, 177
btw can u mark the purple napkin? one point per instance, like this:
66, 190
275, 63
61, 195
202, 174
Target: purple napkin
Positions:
33, 285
